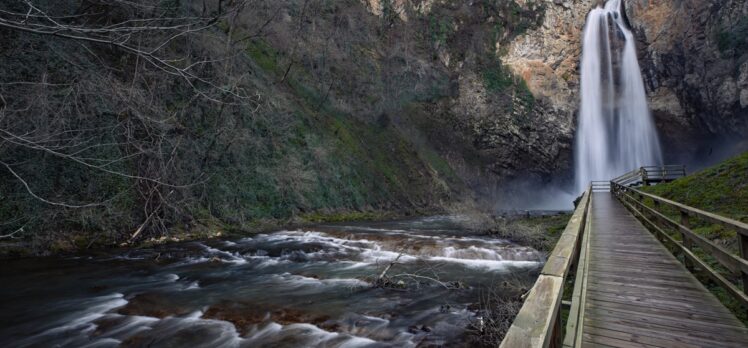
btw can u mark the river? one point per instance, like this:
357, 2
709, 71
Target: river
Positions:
291, 288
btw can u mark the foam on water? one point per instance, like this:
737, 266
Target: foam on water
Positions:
76, 326
492, 265
300, 280
361, 251
307, 335
284, 289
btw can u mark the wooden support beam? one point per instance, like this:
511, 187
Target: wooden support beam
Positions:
686, 240
538, 323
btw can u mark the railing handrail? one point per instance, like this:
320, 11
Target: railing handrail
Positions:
679, 166
735, 264
538, 323
740, 227
646, 174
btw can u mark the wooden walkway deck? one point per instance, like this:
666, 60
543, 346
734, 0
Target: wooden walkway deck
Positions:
638, 294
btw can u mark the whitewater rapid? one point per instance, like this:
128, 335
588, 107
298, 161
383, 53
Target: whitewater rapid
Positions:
291, 288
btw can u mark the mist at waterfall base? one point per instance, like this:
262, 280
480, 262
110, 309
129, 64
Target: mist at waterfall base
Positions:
534, 195
615, 131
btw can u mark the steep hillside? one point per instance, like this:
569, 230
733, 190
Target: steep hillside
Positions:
259, 114
99, 146
152, 118
722, 189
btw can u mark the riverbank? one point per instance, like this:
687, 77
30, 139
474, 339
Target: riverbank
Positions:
446, 284
69, 242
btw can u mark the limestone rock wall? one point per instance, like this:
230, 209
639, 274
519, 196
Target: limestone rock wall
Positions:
694, 57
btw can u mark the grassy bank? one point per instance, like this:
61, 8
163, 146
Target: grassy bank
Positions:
720, 189
540, 232
68, 242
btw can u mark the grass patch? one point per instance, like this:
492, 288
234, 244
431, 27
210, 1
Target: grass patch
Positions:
720, 189
539, 232
264, 55
440, 29
342, 216
499, 79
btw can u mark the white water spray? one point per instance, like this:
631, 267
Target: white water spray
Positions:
615, 132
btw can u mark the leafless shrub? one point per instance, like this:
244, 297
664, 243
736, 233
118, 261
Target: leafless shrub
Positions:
140, 28
498, 307
103, 107
523, 233
426, 275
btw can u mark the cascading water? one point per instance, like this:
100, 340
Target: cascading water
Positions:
615, 132
300, 288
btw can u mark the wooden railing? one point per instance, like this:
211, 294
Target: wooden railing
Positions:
651, 174
600, 186
538, 323
659, 222
575, 320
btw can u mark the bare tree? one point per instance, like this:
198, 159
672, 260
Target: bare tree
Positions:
110, 116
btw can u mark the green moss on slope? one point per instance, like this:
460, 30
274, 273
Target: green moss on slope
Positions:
722, 189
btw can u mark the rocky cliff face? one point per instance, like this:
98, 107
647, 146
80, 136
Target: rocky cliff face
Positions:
694, 58
548, 57
694, 62
493, 85
510, 104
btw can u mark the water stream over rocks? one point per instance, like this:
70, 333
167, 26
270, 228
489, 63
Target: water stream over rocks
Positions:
298, 288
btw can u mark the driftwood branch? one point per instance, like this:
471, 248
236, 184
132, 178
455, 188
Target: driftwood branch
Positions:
433, 280
386, 269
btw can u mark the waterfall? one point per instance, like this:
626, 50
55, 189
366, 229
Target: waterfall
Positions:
615, 131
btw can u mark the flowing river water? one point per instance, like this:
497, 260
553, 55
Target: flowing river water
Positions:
293, 288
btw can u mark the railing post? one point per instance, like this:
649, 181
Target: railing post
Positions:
556, 336
686, 242
743, 243
640, 199
656, 221
643, 174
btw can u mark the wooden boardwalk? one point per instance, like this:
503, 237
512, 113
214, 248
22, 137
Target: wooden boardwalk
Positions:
638, 294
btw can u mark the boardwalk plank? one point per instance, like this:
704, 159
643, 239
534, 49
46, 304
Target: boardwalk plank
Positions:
635, 326
686, 338
687, 310
651, 297
659, 341
640, 295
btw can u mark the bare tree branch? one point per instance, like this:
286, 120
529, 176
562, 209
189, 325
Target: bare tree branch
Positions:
121, 34
28, 189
